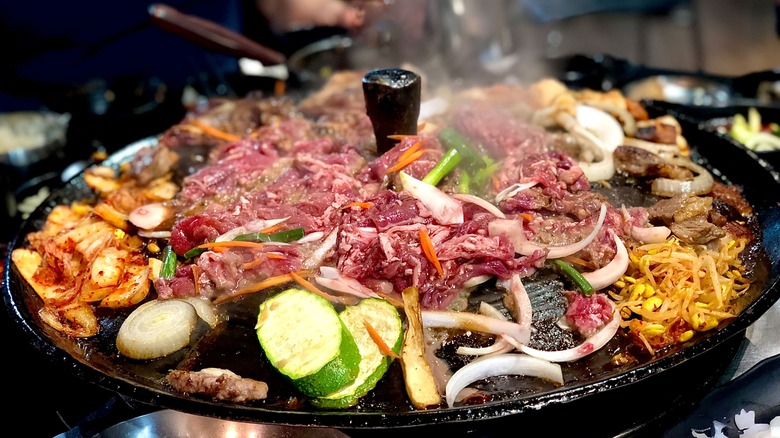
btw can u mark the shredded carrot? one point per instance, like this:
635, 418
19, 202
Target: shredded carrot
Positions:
230, 244
383, 347
280, 87
412, 149
271, 229
214, 132
357, 204
421, 126
429, 250
312, 288
220, 249
257, 287
409, 160
400, 136
527, 217
392, 300
195, 275
578, 261
252, 264
275, 255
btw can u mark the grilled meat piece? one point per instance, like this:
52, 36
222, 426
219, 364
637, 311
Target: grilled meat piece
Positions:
218, 383
639, 162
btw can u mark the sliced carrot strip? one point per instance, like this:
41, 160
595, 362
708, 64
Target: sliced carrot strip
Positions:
421, 126
526, 216
429, 250
312, 288
271, 229
231, 243
279, 88
357, 204
409, 160
400, 136
412, 149
214, 132
394, 301
383, 347
265, 284
275, 255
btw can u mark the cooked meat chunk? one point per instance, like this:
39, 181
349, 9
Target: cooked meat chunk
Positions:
657, 131
688, 218
643, 163
731, 196
696, 231
217, 383
152, 163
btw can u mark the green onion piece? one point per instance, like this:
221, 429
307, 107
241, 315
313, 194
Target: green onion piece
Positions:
285, 236
446, 164
169, 262
280, 236
194, 252
464, 186
574, 275
450, 138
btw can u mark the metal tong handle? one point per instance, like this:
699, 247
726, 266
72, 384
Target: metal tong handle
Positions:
211, 35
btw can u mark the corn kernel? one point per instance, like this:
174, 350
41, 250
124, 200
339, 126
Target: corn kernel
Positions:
119, 234
630, 279
153, 247
685, 336
620, 283
652, 304
710, 324
653, 329
698, 321
702, 305
649, 291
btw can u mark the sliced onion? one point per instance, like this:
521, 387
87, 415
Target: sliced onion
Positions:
557, 252
317, 256
501, 365
154, 234
205, 309
332, 279
513, 229
250, 227
476, 281
312, 237
514, 189
601, 170
444, 208
701, 184
629, 125
475, 323
500, 346
523, 308
490, 310
650, 234
593, 343
602, 124
156, 328
476, 200
612, 271
432, 107
150, 216
763, 142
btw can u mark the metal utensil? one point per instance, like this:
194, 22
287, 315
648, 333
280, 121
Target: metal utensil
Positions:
211, 35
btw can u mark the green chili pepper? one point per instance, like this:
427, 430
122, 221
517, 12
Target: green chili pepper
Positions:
168, 262
574, 275
279, 236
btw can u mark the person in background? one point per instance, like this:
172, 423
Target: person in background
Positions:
55, 50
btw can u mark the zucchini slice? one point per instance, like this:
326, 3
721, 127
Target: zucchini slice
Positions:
304, 339
386, 320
